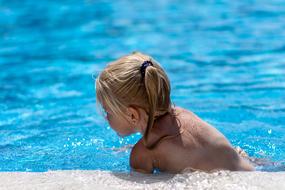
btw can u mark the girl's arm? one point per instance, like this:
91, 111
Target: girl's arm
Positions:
228, 158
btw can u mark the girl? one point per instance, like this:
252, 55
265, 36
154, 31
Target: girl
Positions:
134, 91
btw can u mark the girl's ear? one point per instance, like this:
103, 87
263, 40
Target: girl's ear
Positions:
133, 114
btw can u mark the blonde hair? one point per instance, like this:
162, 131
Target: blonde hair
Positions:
121, 84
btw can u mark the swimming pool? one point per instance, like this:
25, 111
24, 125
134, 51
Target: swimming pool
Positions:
225, 60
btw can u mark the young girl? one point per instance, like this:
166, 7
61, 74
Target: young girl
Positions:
134, 91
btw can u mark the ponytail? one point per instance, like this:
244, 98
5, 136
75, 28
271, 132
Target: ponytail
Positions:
157, 89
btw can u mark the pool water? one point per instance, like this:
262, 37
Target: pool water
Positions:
225, 60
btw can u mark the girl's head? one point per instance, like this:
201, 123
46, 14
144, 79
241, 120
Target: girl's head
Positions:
130, 86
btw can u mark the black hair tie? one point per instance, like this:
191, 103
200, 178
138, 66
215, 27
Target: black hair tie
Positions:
144, 65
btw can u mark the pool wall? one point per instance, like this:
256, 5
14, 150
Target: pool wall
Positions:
86, 179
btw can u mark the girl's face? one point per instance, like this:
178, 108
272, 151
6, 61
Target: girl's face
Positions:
120, 124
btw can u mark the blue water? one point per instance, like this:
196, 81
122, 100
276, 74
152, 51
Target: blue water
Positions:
225, 60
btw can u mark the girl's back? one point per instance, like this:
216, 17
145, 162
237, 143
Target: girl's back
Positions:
183, 141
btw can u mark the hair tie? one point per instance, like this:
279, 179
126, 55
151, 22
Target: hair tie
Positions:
144, 65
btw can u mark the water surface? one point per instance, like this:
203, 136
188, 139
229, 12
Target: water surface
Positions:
225, 60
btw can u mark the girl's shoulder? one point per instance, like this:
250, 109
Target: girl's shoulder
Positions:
141, 159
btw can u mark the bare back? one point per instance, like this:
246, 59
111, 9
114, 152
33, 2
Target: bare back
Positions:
182, 142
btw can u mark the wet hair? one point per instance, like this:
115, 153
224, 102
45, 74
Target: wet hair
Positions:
128, 81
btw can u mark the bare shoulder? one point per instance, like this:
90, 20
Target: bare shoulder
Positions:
214, 150
141, 158
189, 118
201, 129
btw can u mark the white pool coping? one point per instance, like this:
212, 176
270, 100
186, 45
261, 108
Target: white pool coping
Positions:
92, 179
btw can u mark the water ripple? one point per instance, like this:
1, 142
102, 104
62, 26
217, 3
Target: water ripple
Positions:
225, 61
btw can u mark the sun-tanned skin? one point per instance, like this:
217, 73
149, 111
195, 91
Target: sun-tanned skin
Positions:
183, 142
